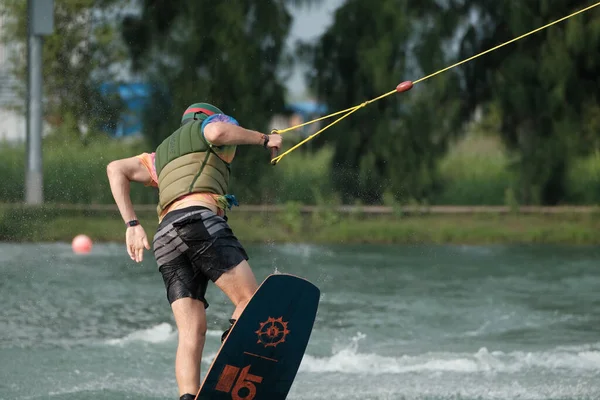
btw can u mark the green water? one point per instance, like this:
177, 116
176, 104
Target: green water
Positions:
394, 322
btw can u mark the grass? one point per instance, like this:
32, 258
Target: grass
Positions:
471, 229
584, 180
49, 224
474, 172
73, 173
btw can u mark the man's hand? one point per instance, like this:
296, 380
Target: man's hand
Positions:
136, 240
274, 141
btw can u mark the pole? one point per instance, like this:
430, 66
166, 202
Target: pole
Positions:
40, 22
34, 187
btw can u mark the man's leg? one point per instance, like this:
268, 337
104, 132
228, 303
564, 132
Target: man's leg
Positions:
216, 253
190, 317
186, 290
239, 284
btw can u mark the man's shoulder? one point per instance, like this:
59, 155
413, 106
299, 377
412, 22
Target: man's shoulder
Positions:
147, 160
219, 118
146, 156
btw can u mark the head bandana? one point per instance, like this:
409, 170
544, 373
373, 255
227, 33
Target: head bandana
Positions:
199, 111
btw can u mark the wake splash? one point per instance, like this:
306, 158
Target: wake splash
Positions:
161, 333
156, 334
349, 360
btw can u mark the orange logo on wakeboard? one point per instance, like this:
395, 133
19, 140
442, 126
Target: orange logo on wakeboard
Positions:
272, 332
243, 388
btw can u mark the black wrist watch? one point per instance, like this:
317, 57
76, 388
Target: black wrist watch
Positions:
133, 222
266, 138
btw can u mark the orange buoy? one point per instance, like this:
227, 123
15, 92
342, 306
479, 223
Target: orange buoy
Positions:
81, 244
404, 86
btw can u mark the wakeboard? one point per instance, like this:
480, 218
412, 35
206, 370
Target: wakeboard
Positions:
261, 355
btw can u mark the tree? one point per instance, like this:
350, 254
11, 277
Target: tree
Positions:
225, 53
77, 58
393, 144
545, 86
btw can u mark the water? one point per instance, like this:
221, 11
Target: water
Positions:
394, 322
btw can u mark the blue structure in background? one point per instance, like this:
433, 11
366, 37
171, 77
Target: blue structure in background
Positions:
135, 96
307, 110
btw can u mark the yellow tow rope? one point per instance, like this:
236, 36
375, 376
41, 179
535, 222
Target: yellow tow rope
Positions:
403, 87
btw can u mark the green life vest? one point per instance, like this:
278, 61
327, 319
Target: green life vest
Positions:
185, 163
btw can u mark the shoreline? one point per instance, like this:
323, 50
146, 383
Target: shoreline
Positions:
293, 223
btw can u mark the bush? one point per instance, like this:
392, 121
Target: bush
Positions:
475, 172
583, 183
304, 177
73, 172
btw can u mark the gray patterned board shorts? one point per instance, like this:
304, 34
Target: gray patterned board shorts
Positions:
191, 246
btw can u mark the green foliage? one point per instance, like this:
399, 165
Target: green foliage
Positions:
583, 183
80, 54
475, 171
73, 173
50, 223
12, 171
76, 173
292, 216
226, 53
537, 95
541, 85
393, 144
303, 177
389, 200
326, 213
510, 200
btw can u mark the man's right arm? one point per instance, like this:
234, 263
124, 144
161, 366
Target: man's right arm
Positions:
223, 133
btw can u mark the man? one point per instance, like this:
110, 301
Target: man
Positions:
193, 242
